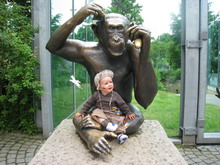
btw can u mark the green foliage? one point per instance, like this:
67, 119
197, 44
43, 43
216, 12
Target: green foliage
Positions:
160, 50
166, 53
214, 34
55, 22
129, 9
85, 33
159, 80
170, 75
19, 88
175, 49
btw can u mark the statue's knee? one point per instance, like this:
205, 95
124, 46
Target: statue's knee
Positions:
77, 121
136, 122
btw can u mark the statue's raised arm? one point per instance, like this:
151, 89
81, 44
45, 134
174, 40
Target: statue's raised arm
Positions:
145, 84
71, 49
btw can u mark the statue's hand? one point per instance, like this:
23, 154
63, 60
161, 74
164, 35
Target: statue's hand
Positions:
97, 143
90, 9
88, 122
141, 38
136, 32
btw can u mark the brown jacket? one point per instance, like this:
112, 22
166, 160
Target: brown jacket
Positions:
106, 102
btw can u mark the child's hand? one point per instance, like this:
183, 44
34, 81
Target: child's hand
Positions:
78, 114
131, 116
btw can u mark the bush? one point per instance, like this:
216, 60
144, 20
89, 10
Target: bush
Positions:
170, 75
159, 80
20, 88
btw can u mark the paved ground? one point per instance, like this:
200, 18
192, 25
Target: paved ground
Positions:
18, 149
201, 155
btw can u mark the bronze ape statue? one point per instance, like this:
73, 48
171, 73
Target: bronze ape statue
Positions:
115, 51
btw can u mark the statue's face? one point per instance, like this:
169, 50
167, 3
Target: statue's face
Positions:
114, 36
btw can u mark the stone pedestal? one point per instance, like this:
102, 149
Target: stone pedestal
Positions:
149, 146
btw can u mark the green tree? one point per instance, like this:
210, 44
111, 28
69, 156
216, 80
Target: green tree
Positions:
20, 88
160, 51
85, 33
55, 22
214, 34
175, 48
166, 52
129, 9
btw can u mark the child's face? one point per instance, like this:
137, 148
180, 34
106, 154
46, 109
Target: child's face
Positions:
106, 85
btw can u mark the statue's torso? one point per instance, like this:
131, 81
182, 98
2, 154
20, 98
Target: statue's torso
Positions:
97, 60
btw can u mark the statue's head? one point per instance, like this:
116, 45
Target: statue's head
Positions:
111, 32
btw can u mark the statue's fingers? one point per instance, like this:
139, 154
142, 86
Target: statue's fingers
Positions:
145, 32
134, 33
96, 150
88, 125
105, 146
96, 5
109, 134
129, 32
87, 119
97, 10
102, 147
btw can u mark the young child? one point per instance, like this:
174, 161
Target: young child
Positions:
110, 111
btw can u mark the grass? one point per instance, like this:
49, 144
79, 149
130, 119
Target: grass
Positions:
166, 109
212, 116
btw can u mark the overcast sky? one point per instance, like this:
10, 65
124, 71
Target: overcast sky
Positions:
156, 13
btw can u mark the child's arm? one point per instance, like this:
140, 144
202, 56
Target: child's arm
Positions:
86, 107
124, 107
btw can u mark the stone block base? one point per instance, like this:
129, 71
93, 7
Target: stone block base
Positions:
149, 146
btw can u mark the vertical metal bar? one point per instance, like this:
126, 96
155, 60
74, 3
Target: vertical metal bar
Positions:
219, 52
209, 56
35, 47
43, 22
73, 64
189, 99
183, 6
203, 67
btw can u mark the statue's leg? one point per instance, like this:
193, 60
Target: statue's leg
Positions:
135, 123
94, 138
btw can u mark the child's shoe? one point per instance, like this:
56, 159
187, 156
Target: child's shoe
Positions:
111, 127
126, 125
122, 138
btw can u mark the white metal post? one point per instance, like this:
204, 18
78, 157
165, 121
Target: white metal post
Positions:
41, 10
190, 66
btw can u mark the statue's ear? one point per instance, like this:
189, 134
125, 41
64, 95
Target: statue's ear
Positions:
95, 29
